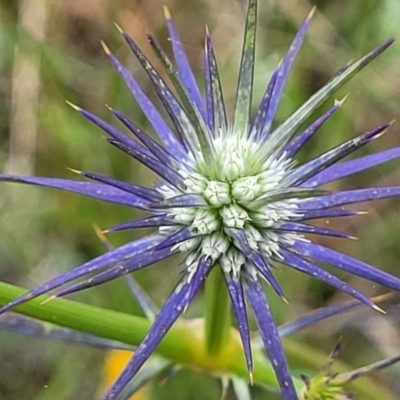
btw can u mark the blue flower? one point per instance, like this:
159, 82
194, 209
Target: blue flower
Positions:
230, 195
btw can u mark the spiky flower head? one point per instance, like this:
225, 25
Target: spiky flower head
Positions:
230, 195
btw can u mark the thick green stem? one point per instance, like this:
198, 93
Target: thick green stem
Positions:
184, 344
217, 312
99, 321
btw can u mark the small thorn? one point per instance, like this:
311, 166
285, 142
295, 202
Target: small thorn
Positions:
362, 212
75, 171
207, 30
392, 122
167, 14
311, 13
73, 106
352, 237
49, 299
105, 47
99, 233
251, 378
109, 107
119, 28
340, 102
103, 240
377, 308
285, 300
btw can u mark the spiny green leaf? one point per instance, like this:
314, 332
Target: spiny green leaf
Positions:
245, 84
218, 108
285, 131
193, 113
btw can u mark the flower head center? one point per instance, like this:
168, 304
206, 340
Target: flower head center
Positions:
233, 186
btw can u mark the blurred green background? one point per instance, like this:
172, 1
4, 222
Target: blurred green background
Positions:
50, 52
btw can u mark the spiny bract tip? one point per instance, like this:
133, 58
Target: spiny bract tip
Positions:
311, 13
75, 107
75, 171
167, 14
377, 308
119, 28
105, 47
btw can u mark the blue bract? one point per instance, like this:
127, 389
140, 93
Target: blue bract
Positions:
230, 195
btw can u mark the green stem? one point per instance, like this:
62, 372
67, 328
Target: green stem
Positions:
99, 321
184, 344
217, 312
